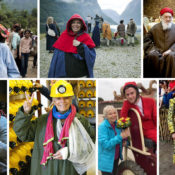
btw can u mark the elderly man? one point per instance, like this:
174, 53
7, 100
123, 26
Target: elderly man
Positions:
159, 47
147, 110
62, 137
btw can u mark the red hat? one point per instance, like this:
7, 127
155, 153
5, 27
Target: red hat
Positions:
130, 83
3, 31
166, 10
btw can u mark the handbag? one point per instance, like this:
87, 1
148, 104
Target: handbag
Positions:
51, 32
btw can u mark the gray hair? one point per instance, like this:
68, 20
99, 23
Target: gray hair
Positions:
50, 20
106, 110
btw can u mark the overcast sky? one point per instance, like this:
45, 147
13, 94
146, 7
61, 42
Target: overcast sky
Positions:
106, 87
117, 5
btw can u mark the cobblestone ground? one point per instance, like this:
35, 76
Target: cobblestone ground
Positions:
166, 159
113, 61
31, 72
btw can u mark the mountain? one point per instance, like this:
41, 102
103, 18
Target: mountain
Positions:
62, 10
112, 14
133, 10
21, 4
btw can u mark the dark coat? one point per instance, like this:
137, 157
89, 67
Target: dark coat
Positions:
50, 40
156, 42
121, 30
131, 29
160, 40
96, 34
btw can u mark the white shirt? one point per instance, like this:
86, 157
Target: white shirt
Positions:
140, 105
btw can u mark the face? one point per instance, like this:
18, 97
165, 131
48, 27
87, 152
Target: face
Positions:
131, 95
76, 25
112, 115
27, 34
62, 103
167, 18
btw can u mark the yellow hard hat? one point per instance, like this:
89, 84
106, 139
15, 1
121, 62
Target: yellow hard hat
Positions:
61, 89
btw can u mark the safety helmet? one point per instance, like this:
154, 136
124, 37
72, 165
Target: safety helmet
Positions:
61, 89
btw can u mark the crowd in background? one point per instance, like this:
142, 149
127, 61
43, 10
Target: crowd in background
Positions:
95, 25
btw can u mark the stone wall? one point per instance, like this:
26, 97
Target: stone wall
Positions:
152, 7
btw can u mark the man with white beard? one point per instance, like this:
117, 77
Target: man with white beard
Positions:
159, 47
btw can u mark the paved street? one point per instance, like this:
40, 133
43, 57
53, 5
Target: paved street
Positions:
166, 166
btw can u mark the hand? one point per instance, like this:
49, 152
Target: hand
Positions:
57, 155
166, 52
76, 43
125, 133
173, 136
28, 103
19, 56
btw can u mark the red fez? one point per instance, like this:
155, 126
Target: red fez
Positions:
166, 10
130, 83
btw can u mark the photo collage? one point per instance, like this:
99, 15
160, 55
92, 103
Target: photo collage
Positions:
87, 87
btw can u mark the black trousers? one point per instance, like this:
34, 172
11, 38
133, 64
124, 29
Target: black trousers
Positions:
114, 172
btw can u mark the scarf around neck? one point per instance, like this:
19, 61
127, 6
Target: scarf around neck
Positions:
58, 115
49, 134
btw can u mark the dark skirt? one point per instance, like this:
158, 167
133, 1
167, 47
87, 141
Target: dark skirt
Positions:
49, 42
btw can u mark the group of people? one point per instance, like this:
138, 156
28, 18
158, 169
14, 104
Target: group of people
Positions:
16, 46
130, 31
159, 47
74, 50
167, 101
166, 92
111, 139
23, 44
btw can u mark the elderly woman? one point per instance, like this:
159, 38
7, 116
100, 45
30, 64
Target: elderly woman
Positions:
74, 54
62, 138
51, 37
110, 142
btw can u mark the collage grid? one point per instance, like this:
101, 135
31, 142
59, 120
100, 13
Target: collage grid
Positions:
109, 70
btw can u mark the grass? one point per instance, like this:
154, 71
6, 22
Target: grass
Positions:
42, 35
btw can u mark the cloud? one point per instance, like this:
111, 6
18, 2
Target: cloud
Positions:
116, 5
106, 87
68, 1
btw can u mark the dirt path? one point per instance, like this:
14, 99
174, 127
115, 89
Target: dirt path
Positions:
113, 61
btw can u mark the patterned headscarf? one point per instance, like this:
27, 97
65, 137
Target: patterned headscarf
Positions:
3, 31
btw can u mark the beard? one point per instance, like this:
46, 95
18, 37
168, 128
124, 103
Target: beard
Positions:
166, 26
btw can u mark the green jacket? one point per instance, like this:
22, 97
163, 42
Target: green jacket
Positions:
29, 131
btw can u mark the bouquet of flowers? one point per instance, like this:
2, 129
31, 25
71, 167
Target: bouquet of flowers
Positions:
123, 123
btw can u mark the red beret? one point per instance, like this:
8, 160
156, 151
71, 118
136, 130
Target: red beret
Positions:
130, 83
166, 10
